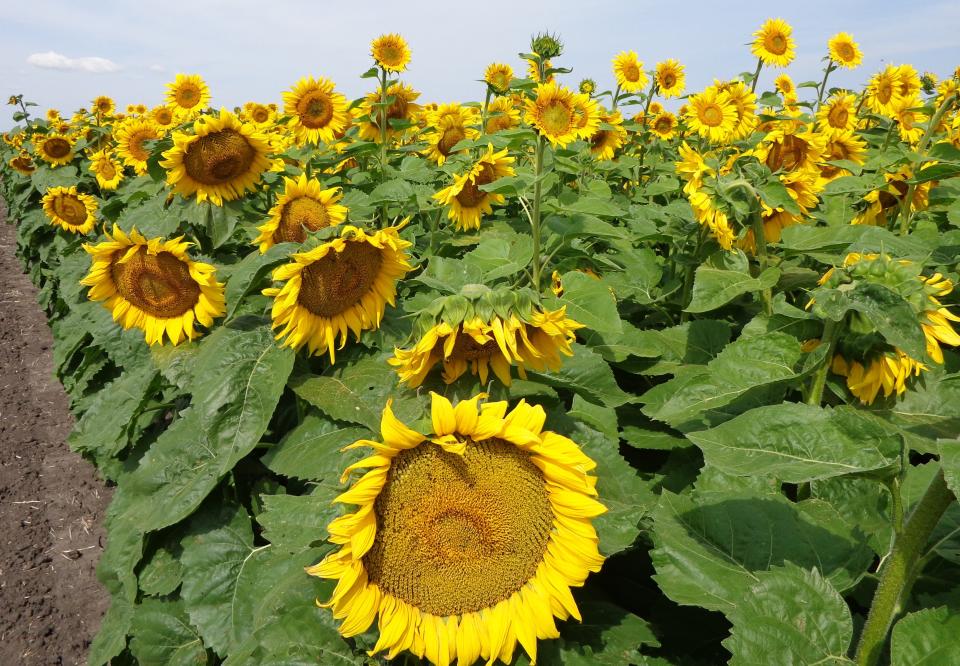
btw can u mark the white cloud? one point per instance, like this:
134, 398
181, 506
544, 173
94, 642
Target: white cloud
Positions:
157, 68
54, 60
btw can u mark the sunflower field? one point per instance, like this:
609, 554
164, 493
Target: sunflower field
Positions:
559, 377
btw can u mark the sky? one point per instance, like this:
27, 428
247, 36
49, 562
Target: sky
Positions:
63, 53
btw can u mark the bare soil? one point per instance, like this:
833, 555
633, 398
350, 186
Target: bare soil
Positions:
51, 501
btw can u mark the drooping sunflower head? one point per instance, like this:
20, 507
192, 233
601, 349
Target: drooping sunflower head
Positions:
402, 108
709, 215
841, 146
671, 79
56, 149
629, 73
838, 114
23, 164
431, 551
317, 111
606, 141
153, 285
467, 202
390, 52
773, 43
844, 51
502, 115
70, 210
187, 95
664, 125
107, 170
339, 287
791, 149
498, 76
303, 206
220, 160
553, 112
103, 106
887, 200
448, 125
133, 136
712, 115
494, 330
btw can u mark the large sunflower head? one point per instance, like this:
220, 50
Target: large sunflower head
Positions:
304, 205
338, 287
107, 170
629, 72
390, 52
56, 149
498, 76
317, 111
908, 81
502, 114
465, 541
883, 91
467, 202
555, 113
838, 114
401, 108
188, 95
671, 79
448, 125
153, 285
844, 51
791, 149
70, 210
773, 44
23, 164
712, 115
220, 160
841, 146
496, 330
103, 106
606, 141
132, 136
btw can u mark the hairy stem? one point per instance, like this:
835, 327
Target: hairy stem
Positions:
831, 333
756, 76
535, 215
760, 239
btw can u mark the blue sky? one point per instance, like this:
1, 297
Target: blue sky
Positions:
255, 50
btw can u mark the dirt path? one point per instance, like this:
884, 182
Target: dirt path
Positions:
51, 501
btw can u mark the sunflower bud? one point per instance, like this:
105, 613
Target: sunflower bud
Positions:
546, 45
587, 86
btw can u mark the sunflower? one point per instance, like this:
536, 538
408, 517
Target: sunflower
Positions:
712, 115
557, 114
431, 551
790, 149
403, 109
258, 114
303, 205
670, 78
587, 86
845, 146
629, 72
188, 95
467, 202
908, 81
103, 106
692, 167
773, 43
108, 171
604, 143
533, 71
586, 114
784, 84
838, 114
340, 286
447, 126
53, 115
745, 103
883, 91
498, 76
57, 149
70, 210
502, 115
23, 164
802, 188
153, 285
317, 112
844, 51
907, 113
529, 342
888, 370
886, 200
664, 125
219, 161
162, 117
390, 52
706, 213
132, 136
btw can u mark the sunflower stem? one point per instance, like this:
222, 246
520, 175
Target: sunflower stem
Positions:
382, 121
831, 333
905, 208
900, 570
644, 132
616, 99
688, 274
823, 84
760, 240
756, 75
535, 216
483, 115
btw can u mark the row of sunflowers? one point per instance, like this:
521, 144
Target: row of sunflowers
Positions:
547, 378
